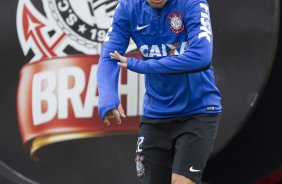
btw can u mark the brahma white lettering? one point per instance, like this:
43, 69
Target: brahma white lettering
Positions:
44, 86
47, 95
56, 93
71, 94
205, 21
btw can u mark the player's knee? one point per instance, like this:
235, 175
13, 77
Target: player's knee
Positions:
179, 179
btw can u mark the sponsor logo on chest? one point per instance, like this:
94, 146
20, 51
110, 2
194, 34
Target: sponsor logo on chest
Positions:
150, 51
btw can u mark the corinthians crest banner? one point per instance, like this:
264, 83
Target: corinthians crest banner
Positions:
57, 92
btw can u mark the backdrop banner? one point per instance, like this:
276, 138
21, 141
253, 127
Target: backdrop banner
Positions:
50, 130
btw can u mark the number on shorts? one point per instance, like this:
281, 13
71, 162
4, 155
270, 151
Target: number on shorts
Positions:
139, 142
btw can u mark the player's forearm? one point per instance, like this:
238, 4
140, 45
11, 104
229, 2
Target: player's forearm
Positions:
191, 61
108, 71
107, 77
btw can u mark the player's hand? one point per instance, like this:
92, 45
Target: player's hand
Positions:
114, 114
122, 59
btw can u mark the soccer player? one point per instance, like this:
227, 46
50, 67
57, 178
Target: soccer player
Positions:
181, 105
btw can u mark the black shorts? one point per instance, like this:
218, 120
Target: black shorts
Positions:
178, 145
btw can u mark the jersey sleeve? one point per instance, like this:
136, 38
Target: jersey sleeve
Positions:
117, 39
196, 57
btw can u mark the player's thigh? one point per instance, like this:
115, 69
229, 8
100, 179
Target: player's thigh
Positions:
193, 146
153, 156
179, 179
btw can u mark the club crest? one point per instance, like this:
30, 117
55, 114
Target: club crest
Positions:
64, 27
139, 166
176, 24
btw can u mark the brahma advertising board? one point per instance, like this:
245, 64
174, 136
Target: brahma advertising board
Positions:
57, 93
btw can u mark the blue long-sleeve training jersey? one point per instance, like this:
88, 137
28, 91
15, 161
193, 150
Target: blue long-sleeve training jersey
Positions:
176, 44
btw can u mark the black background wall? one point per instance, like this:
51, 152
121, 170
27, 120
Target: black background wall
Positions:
256, 150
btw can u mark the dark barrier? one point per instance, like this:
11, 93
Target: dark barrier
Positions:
31, 31
273, 178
